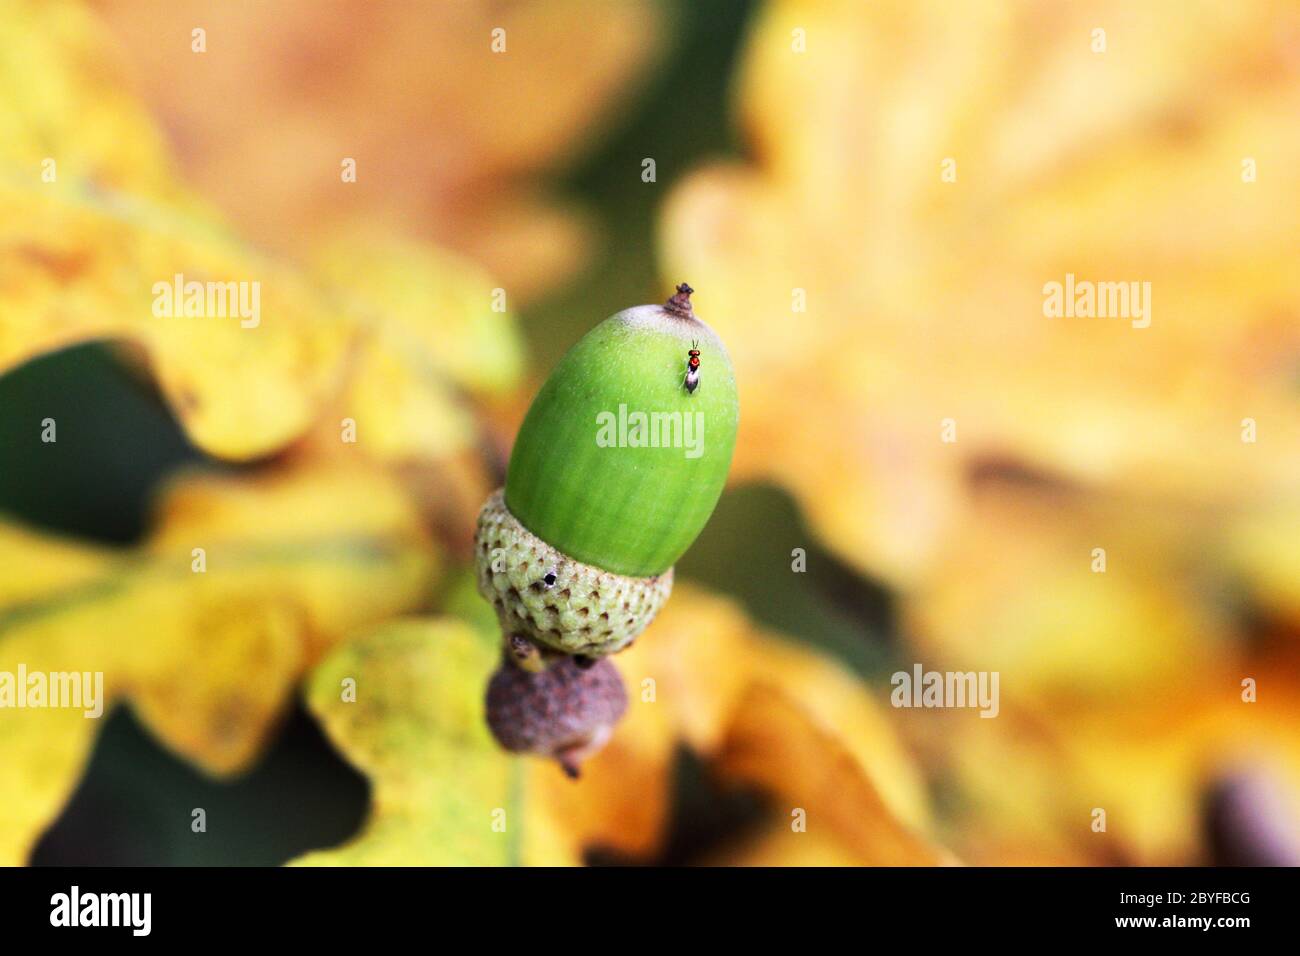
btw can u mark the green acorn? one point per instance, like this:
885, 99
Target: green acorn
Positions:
616, 469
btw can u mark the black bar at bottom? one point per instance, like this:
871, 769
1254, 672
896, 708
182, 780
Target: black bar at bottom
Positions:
215, 906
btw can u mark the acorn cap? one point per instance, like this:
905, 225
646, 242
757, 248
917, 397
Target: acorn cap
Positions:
565, 712
542, 594
617, 465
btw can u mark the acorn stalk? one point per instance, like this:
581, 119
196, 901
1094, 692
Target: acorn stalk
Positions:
615, 471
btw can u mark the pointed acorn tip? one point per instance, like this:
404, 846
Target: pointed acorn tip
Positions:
680, 304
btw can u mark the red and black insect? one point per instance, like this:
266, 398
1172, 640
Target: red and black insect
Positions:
692, 368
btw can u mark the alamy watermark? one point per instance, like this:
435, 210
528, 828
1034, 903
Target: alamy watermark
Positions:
193, 299
943, 689
133, 911
628, 429
76, 690
1098, 300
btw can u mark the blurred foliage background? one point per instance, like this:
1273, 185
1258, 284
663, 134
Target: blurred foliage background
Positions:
775, 173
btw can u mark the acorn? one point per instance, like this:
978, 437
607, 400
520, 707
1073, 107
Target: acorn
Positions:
616, 469
565, 712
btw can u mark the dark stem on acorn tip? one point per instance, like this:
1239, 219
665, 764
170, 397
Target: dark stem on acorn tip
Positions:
569, 764
680, 304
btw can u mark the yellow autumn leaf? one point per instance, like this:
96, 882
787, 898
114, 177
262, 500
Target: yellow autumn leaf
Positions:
405, 704
87, 246
434, 304
450, 113
1109, 622
1128, 783
75, 118
77, 266
921, 174
436, 330
816, 782
765, 712
1070, 597
205, 628
1263, 548
1155, 763
809, 734
1080, 505
1005, 784
248, 349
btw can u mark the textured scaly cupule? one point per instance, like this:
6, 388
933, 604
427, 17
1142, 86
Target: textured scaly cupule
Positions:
561, 604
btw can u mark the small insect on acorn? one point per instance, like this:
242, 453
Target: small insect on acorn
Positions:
692, 381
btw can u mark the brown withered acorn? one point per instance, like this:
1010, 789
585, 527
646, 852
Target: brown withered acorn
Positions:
566, 711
